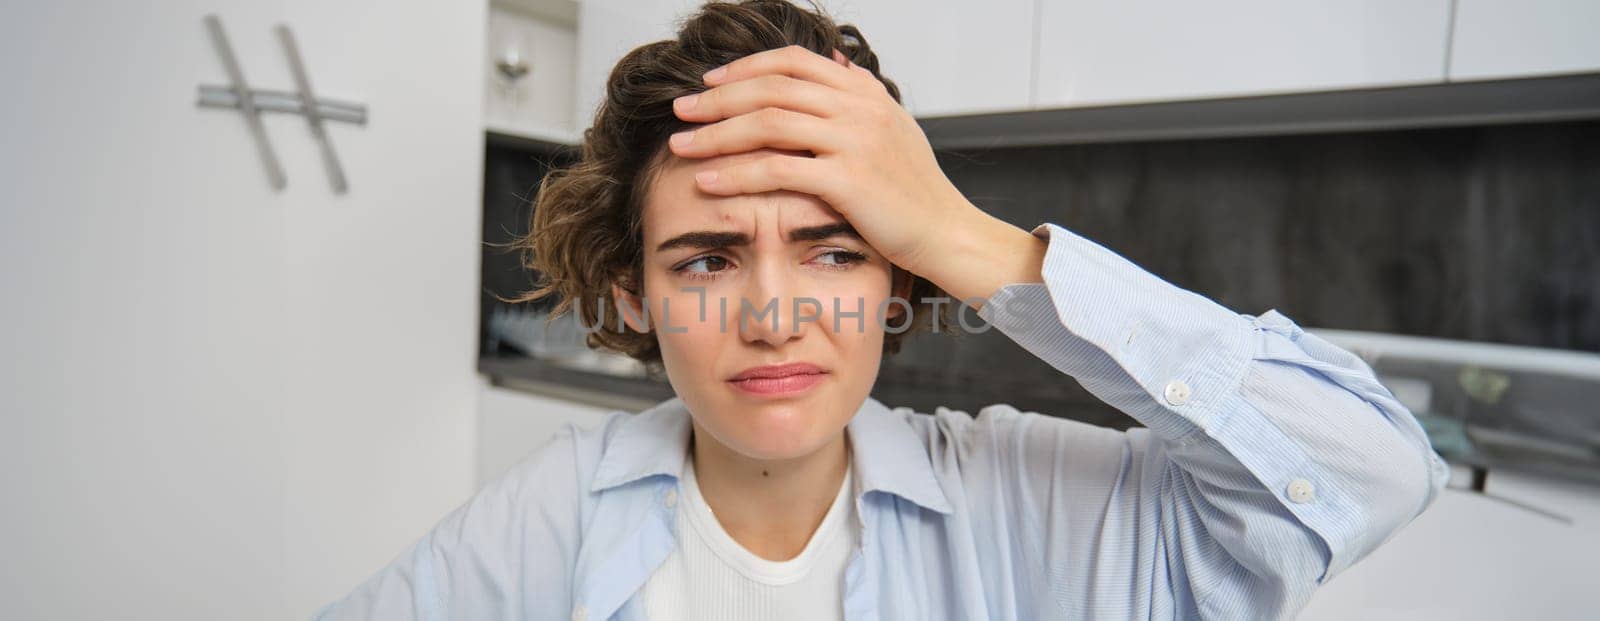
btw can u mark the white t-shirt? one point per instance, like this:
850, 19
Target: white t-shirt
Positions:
708, 576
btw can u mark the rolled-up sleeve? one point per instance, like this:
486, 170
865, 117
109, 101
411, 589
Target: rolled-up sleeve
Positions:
1271, 459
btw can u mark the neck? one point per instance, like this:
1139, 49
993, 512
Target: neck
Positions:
771, 507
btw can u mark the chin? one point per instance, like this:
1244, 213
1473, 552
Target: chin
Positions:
767, 426
774, 430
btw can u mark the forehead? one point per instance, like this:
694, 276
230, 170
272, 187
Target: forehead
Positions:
675, 204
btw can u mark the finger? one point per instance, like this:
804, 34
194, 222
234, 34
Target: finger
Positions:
767, 127
767, 91
794, 61
865, 73
770, 173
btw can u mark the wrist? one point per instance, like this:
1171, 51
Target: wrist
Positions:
977, 254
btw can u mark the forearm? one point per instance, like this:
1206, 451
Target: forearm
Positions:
1261, 425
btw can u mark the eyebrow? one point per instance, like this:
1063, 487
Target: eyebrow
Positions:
725, 239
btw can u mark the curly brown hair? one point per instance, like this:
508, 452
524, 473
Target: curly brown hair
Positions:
586, 232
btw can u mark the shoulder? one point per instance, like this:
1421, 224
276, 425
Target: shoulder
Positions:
560, 469
576, 442
538, 507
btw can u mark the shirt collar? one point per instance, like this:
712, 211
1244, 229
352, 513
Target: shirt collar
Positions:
651, 442
886, 453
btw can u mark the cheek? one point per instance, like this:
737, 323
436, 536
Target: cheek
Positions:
854, 305
684, 336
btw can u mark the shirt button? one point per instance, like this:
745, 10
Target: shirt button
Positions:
1177, 392
671, 498
580, 613
1300, 491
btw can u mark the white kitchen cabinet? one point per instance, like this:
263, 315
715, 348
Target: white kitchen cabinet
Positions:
1502, 39
540, 36
609, 29
224, 401
1098, 52
950, 57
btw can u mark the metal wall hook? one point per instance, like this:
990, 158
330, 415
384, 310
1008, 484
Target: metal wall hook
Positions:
308, 103
303, 101
216, 96
241, 92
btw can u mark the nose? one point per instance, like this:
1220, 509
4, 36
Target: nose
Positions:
767, 312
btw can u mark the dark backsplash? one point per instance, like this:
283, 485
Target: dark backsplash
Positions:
1479, 233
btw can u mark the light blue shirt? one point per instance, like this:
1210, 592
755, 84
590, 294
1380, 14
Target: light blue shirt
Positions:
1270, 461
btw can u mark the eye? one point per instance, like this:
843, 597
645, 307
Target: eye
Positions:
702, 267
841, 259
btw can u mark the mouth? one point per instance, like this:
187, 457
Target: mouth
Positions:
779, 380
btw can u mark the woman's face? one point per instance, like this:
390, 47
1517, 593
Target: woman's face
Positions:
755, 254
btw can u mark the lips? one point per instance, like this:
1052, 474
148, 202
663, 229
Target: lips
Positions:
778, 370
782, 379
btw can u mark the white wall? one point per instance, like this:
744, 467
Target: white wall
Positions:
218, 401
381, 333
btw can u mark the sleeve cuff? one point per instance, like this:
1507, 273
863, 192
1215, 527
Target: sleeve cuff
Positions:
1184, 353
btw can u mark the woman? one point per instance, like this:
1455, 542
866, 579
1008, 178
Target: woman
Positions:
748, 195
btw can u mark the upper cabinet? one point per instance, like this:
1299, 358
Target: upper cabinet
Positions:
1500, 39
608, 30
529, 69
967, 59
950, 57
1097, 52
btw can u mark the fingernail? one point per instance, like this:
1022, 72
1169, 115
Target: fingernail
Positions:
706, 177
716, 74
686, 102
682, 138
